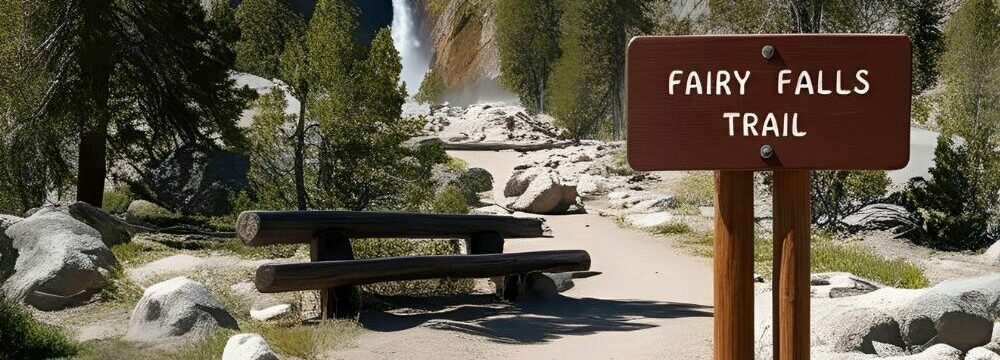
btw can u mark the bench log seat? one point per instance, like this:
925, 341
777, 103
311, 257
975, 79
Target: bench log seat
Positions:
327, 274
335, 272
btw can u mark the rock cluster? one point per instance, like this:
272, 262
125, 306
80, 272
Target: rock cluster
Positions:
486, 123
952, 319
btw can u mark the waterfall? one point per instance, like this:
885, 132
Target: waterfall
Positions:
411, 38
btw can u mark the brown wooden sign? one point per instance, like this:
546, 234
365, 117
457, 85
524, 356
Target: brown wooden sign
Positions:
768, 102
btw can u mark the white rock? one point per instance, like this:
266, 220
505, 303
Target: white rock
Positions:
248, 347
270, 312
981, 354
619, 195
61, 261
992, 255
592, 184
7, 221
178, 309
936, 352
540, 191
652, 220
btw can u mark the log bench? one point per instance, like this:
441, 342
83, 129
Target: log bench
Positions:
334, 271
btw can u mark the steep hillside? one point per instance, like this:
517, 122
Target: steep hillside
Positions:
464, 49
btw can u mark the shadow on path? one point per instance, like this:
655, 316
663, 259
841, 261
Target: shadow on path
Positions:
533, 320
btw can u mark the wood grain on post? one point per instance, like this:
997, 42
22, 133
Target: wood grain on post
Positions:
327, 274
791, 265
733, 260
335, 301
259, 228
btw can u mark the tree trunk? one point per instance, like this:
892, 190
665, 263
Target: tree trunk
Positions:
300, 144
92, 164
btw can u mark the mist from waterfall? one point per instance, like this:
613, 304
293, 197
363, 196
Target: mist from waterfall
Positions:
412, 40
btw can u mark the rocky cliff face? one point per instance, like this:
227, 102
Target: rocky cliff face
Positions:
465, 52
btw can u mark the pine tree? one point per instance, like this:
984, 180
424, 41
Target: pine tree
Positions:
954, 220
962, 198
921, 20
528, 39
363, 164
31, 153
136, 98
594, 37
265, 27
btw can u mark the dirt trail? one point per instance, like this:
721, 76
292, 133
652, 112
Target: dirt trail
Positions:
651, 302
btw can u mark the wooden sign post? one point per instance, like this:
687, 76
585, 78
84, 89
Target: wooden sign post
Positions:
782, 103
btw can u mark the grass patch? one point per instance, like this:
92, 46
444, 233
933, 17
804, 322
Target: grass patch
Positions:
696, 189
672, 228
121, 289
311, 340
238, 248
858, 260
619, 164
826, 256
24, 337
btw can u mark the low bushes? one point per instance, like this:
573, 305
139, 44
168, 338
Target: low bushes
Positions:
24, 337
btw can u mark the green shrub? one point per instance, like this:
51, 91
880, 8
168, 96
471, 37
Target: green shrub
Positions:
24, 337
431, 89
116, 201
381, 248
451, 200
955, 216
837, 194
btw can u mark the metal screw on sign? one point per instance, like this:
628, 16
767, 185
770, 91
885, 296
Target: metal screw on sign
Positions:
766, 151
767, 52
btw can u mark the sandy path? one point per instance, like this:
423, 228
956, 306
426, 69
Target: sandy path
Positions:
652, 302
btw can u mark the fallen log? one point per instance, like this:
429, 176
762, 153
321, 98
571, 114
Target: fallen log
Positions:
496, 146
259, 228
328, 274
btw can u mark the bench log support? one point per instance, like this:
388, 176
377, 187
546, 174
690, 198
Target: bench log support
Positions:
337, 302
490, 242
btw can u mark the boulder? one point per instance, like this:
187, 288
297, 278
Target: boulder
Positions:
883, 217
593, 184
857, 329
540, 191
60, 261
551, 284
7, 220
887, 350
992, 255
476, 180
649, 221
142, 212
954, 312
196, 181
113, 229
980, 353
837, 285
177, 310
936, 352
248, 347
